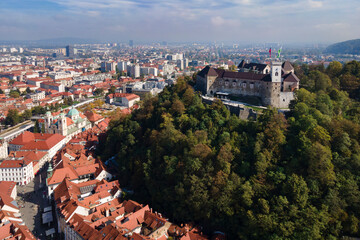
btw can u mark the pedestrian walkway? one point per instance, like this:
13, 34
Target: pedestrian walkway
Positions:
32, 200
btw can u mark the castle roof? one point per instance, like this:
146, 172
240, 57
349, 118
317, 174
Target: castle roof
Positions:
208, 71
291, 77
287, 67
252, 66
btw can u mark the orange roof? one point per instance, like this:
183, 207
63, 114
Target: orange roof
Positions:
43, 141
69, 121
61, 173
92, 116
14, 163
23, 138
7, 187
28, 155
90, 169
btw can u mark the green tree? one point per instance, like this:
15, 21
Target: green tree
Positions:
112, 89
27, 114
99, 91
13, 117
14, 94
37, 127
334, 69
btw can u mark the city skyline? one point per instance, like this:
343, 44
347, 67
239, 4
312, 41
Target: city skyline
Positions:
233, 20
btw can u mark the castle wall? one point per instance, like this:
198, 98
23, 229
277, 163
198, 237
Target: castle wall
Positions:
285, 98
288, 85
271, 93
236, 87
201, 84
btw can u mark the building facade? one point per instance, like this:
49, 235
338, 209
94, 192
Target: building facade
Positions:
274, 85
67, 125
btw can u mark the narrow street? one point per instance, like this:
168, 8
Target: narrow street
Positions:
32, 200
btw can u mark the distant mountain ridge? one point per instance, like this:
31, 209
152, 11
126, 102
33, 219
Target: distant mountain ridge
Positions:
347, 47
54, 42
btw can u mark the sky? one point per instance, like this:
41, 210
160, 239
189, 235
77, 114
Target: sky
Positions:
243, 21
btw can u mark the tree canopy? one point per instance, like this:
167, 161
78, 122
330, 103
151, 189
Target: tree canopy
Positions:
276, 178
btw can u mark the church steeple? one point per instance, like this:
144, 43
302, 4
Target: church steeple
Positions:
50, 170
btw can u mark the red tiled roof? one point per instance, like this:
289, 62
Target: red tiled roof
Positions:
59, 175
14, 163
23, 138
41, 144
7, 187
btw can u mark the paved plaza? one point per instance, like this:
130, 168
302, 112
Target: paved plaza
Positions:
32, 200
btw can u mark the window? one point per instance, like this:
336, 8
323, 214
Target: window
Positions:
276, 74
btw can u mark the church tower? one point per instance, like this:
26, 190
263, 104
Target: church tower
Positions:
276, 72
62, 126
48, 121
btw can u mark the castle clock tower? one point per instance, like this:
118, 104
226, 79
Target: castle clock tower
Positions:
276, 72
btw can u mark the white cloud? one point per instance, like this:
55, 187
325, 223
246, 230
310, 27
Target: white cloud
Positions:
315, 4
217, 21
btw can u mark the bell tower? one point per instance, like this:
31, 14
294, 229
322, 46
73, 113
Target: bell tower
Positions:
48, 121
62, 126
276, 72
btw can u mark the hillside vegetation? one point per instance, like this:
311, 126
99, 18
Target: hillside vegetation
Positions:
277, 178
347, 47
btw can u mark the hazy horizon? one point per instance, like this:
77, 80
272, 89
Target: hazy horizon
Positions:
246, 21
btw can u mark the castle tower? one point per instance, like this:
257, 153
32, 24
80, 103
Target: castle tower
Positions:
62, 126
276, 72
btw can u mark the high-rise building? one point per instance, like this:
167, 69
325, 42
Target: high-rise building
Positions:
186, 63
111, 66
180, 64
134, 70
122, 66
103, 67
70, 52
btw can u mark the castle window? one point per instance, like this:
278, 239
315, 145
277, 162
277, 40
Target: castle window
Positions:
234, 83
283, 100
226, 83
244, 84
276, 74
251, 85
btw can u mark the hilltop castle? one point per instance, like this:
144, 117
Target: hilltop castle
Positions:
273, 84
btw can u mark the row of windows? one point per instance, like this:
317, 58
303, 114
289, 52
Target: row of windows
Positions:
241, 84
12, 174
11, 169
12, 179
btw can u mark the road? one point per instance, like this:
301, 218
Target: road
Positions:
15, 130
32, 200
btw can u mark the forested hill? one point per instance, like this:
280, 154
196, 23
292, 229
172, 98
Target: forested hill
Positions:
277, 178
347, 47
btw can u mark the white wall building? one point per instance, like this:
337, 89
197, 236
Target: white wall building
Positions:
19, 171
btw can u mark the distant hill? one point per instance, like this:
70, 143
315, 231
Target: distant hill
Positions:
54, 42
347, 47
